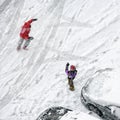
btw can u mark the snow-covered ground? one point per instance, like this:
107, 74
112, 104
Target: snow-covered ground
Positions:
78, 116
83, 32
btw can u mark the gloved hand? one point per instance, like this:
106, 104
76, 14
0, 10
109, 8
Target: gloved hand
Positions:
34, 19
30, 38
67, 64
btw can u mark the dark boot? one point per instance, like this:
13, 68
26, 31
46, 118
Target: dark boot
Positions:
25, 48
18, 48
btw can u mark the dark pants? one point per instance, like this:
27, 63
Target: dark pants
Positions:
70, 82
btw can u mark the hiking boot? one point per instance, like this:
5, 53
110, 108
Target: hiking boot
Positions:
25, 48
18, 48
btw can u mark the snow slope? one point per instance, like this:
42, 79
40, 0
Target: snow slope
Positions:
78, 116
82, 32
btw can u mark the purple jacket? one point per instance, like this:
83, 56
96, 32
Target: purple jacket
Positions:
71, 74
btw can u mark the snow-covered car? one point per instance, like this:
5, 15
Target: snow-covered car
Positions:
94, 97
77, 115
61, 113
53, 113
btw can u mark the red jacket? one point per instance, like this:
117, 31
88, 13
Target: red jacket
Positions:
26, 30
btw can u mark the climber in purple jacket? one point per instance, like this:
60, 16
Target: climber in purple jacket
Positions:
71, 75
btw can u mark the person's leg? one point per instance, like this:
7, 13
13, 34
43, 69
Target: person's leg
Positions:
70, 82
27, 42
20, 42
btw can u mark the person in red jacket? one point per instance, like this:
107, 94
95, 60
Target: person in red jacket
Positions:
24, 34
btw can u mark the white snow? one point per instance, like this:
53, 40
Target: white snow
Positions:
78, 116
84, 33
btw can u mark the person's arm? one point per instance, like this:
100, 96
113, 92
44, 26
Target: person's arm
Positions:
66, 68
30, 21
